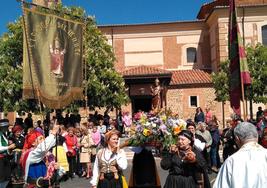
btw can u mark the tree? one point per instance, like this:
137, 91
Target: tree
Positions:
10, 68
221, 82
105, 87
257, 62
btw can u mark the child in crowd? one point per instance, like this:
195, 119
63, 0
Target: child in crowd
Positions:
96, 137
78, 134
127, 123
60, 152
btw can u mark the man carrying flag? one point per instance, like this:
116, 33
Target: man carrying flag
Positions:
239, 73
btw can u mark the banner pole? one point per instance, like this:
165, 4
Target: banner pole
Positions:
243, 99
85, 74
29, 58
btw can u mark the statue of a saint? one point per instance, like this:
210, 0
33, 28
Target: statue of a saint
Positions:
57, 58
156, 95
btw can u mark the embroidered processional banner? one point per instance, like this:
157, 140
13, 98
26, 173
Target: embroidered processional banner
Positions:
52, 59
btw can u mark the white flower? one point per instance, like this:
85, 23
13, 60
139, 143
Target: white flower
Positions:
147, 124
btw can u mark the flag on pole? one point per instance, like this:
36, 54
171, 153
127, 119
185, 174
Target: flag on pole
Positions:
52, 59
239, 73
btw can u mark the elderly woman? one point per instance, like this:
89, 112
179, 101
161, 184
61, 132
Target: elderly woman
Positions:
185, 164
109, 163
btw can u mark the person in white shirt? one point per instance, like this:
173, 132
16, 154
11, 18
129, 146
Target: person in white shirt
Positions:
248, 166
199, 141
109, 163
202, 131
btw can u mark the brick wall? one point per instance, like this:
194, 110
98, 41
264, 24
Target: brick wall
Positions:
250, 2
205, 51
119, 54
178, 101
172, 52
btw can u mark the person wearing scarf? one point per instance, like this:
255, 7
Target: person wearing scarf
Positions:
185, 164
18, 139
35, 149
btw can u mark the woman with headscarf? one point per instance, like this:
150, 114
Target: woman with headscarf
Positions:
109, 163
185, 164
39, 170
18, 139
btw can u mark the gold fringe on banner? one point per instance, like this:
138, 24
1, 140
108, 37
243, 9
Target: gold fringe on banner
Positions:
52, 59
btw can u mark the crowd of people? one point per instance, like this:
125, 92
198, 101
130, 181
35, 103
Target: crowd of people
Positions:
41, 154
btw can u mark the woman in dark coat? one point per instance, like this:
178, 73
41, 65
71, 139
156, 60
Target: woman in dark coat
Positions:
199, 115
185, 164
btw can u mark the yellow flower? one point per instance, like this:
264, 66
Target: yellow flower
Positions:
163, 118
146, 132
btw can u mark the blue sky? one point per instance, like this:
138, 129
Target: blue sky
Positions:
118, 11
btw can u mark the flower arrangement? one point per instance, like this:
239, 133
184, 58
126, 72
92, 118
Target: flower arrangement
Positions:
156, 129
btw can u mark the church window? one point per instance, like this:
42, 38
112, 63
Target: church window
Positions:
191, 55
193, 101
264, 35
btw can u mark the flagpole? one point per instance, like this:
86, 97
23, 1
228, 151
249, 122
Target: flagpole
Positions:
29, 58
243, 30
85, 75
243, 98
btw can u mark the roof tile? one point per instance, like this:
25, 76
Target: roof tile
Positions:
190, 77
144, 71
179, 77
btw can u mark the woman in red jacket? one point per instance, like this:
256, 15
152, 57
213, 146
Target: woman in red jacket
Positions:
72, 146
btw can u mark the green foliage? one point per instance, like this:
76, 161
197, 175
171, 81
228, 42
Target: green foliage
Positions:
105, 87
10, 68
221, 82
257, 62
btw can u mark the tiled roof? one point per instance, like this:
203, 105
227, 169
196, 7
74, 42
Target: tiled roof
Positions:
190, 77
207, 8
145, 71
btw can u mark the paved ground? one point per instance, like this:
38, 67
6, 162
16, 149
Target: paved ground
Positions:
84, 183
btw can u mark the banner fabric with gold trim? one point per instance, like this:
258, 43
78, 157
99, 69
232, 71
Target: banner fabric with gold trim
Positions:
52, 59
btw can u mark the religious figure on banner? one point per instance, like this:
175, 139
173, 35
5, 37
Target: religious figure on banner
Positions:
57, 58
156, 95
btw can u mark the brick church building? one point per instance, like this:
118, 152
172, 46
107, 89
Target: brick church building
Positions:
182, 55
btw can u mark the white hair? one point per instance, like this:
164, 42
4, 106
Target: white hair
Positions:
245, 131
